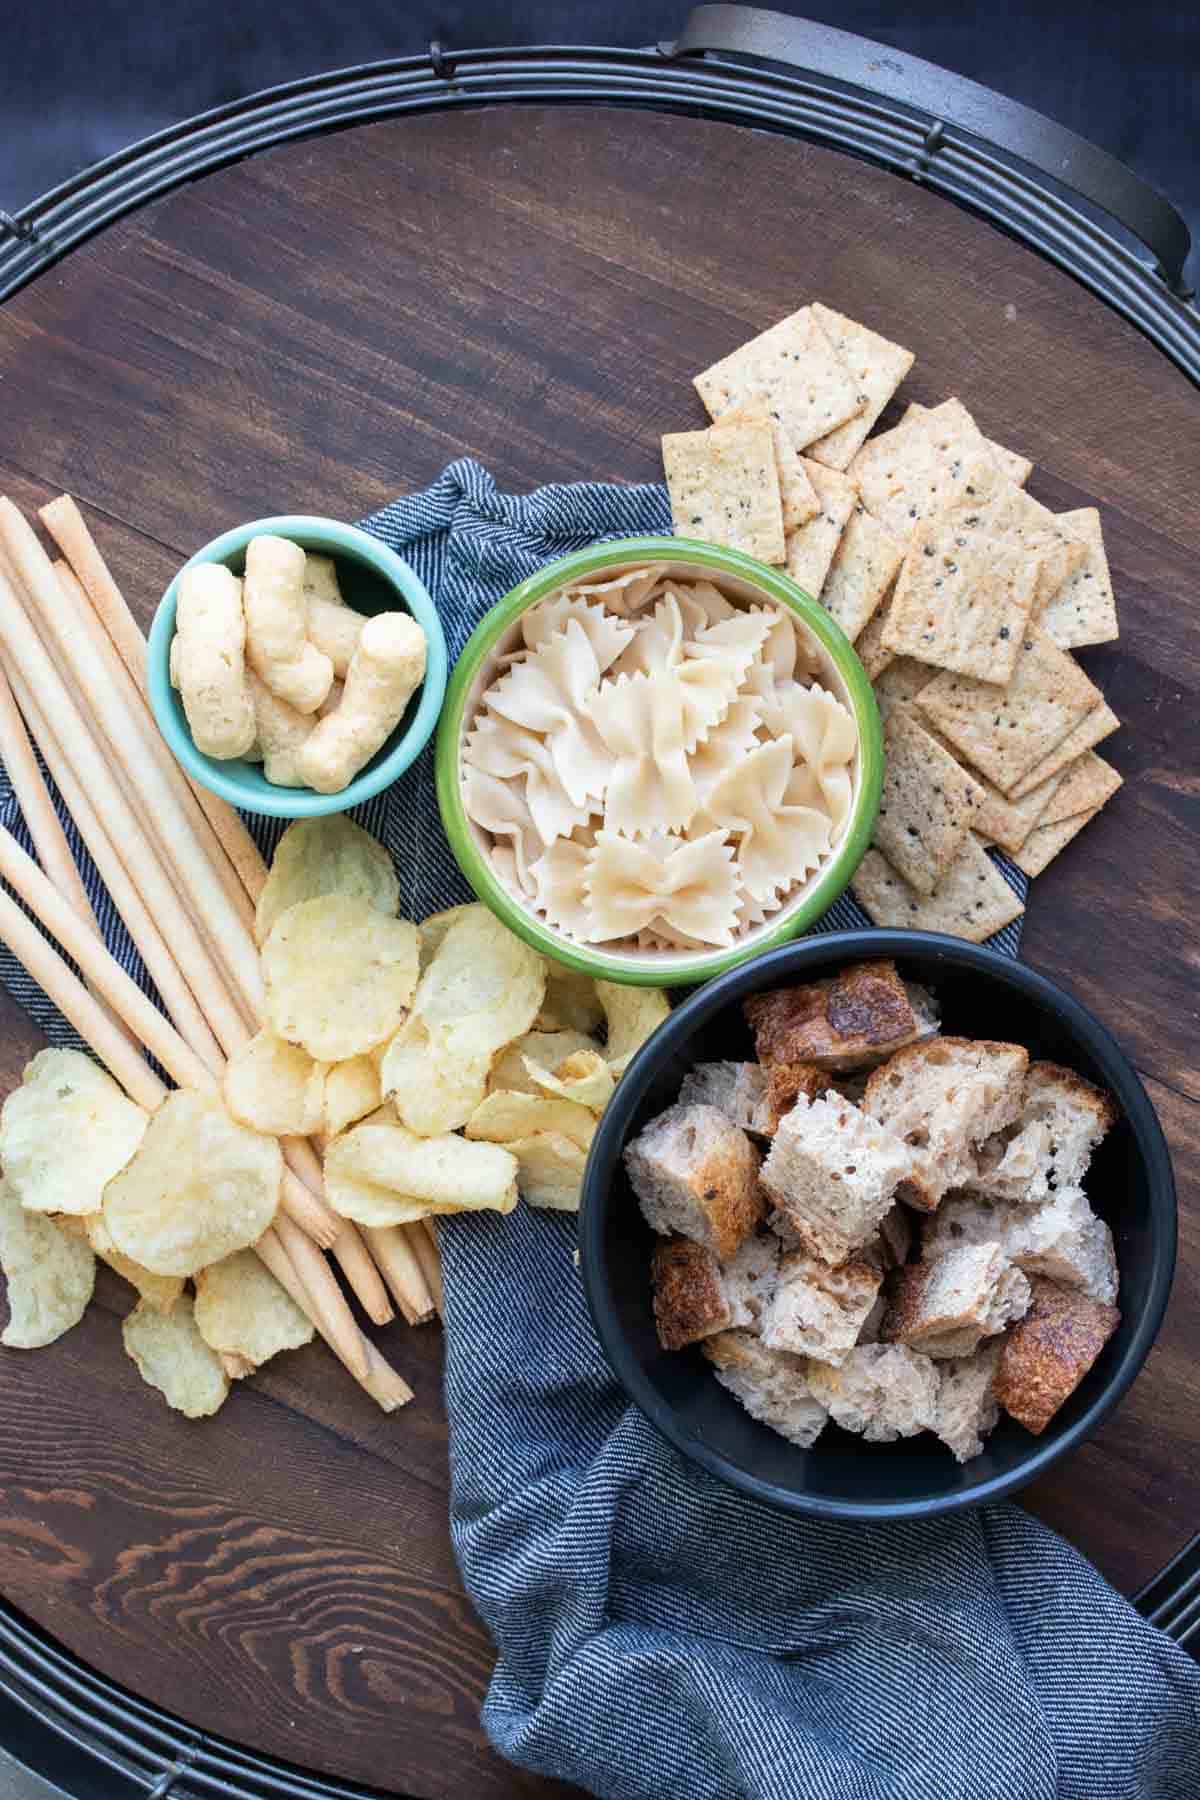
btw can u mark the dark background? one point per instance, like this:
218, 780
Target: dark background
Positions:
81, 78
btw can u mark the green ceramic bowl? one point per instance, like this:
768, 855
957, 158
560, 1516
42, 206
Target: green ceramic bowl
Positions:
742, 578
373, 579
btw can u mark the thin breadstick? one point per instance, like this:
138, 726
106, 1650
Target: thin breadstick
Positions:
388, 1389
95, 678
348, 1246
66, 525
402, 1272
429, 1255
383, 1384
151, 946
317, 1278
150, 740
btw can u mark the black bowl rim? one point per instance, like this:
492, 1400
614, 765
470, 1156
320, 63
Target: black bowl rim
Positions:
789, 960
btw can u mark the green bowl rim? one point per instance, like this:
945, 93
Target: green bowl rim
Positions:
833, 879
301, 803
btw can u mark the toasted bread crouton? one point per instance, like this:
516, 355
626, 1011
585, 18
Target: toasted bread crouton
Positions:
852, 1021
690, 1298
751, 1276
832, 1172
1061, 1239
884, 1391
943, 1098
754, 1096
972, 1289
967, 1408
817, 1310
771, 1385
696, 1174
1045, 1357
1050, 1144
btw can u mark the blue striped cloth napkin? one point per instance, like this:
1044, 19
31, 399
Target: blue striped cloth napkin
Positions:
658, 1635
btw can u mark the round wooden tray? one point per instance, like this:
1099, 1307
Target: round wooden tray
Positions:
322, 328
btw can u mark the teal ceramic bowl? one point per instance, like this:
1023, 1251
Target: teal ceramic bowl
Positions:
373, 579
741, 578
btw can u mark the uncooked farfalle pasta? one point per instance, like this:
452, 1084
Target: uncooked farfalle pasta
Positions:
655, 766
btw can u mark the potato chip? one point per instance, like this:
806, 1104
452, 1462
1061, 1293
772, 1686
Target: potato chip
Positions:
434, 928
172, 1356
432, 1089
503, 1118
50, 1275
199, 1187
242, 1310
369, 1204
352, 1090
159, 1291
275, 1087
65, 1131
482, 989
545, 1049
330, 855
633, 1014
584, 1078
339, 976
550, 1171
445, 1171
571, 1002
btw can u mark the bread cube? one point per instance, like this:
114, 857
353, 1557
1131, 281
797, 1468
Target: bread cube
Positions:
1049, 1146
851, 1021
973, 1289
942, 1099
967, 1408
832, 1172
771, 1385
696, 1175
1061, 1239
690, 1297
1045, 1357
884, 1391
752, 1095
817, 1310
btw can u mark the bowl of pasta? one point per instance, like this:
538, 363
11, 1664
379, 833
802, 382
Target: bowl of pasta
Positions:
657, 758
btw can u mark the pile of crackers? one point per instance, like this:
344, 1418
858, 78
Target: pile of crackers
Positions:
963, 596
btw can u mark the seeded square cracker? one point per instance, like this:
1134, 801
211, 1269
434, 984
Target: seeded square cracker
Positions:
1017, 468
1007, 823
863, 568
798, 496
795, 369
927, 806
1004, 731
1086, 785
1083, 611
877, 366
961, 607
724, 488
810, 550
900, 683
868, 645
992, 505
1045, 841
972, 900
1091, 730
911, 472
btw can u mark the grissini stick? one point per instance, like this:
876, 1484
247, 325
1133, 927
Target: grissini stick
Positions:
326, 1296
347, 1246
65, 523
388, 1389
96, 680
402, 1272
151, 946
429, 1255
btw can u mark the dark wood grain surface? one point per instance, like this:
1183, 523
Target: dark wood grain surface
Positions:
321, 329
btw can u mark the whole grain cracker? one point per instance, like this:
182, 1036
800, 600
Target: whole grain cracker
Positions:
863, 568
1084, 610
911, 472
972, 900
868, 645
1085, 786
810, 550
1017, 468
798, 496
795, 369
724, 488
1007, 823
927, 806
992, 504
1091, 730
1006, 731
900, 683
1045, 841
961, 607
876, 365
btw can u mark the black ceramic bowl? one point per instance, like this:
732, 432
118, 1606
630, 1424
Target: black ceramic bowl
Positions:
981, 994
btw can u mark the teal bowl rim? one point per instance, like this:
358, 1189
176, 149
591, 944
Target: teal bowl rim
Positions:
301, 803
832, 881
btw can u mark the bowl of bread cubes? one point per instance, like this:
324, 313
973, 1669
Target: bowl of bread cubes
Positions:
658, 758
296, 666
878, 1225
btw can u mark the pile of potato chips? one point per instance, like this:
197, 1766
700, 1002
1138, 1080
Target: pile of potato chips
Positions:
440, 1068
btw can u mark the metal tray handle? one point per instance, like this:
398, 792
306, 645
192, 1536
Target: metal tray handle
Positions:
950, 99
